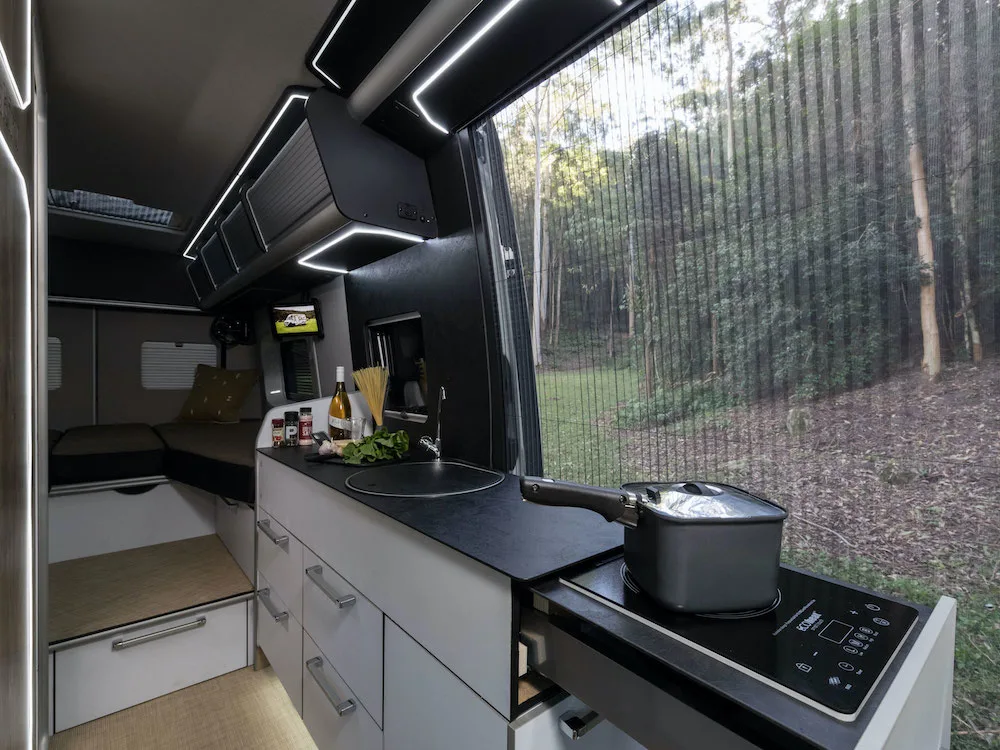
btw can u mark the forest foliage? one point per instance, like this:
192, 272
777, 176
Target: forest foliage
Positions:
783, 199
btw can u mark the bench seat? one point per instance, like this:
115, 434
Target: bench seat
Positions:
218, 458
102, 453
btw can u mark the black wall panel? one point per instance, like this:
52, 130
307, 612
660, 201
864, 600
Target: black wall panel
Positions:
441, 280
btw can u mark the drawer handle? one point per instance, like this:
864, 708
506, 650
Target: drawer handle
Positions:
315, 667
265, 598
265, 526
575, 724
122, 644
315, 574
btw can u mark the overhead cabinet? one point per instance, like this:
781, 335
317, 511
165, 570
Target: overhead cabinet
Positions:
321, 194
237, 233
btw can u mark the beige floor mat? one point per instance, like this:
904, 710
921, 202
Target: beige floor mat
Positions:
92, 594
243, 710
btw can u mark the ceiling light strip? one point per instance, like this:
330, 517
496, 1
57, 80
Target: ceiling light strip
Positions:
27, 358
350, 232
22, 100
472, 41
322, 49
456, 56
246, 162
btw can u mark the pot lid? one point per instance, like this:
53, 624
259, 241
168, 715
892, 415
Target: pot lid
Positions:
704, 501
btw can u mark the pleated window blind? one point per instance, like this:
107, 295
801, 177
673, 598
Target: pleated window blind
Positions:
757, 243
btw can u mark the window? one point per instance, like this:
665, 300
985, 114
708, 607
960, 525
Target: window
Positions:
54, 368
108, 205
756, 243
170, 366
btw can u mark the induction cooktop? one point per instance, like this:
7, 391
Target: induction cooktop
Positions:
821, 642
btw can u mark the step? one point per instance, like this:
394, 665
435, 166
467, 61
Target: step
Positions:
93, 594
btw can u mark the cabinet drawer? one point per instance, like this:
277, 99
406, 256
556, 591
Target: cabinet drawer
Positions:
332, 713
134, 665
279, 560
542, 728
347, 628
279, 636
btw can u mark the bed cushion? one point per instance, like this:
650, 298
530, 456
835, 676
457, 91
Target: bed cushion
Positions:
100, 453
218, 458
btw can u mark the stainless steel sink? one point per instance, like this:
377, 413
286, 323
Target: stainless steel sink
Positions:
423, 479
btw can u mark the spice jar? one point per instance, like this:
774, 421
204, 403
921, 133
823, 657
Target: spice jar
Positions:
291, 429
277, 432
305, 426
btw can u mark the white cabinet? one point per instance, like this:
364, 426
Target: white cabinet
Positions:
234, 525
457, 608
335, 718
347, 628
279, 636
279, 560
133, 665
428, 708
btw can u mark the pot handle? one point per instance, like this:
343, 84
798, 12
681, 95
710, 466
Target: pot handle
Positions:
614, 505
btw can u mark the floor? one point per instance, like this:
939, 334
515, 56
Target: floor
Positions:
97, 593
243, 710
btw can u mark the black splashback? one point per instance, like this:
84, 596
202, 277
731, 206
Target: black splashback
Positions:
441, 280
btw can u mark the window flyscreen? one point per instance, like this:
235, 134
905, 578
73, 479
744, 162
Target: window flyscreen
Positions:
53, 372
756, 243
170, 366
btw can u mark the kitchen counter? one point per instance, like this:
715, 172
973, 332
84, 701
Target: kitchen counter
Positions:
523, 541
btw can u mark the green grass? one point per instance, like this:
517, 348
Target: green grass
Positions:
579, 413
311, 327
577, 410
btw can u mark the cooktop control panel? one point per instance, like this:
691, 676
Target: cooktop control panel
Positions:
824, 643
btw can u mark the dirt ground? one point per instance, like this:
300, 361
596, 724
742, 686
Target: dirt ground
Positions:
905, 473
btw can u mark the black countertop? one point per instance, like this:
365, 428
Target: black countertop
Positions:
495, 527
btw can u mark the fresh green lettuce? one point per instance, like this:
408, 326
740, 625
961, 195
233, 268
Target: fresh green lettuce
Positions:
381, 446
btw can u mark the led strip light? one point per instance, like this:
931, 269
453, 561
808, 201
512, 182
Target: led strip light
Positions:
239, 173
457, 55
29, 394
322, 49
350, 232
21, 99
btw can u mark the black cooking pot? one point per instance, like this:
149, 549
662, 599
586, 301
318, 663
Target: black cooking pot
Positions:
698, 547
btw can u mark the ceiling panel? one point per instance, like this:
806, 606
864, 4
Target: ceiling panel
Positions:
156, 101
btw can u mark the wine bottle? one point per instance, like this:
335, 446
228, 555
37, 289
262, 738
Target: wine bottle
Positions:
340, 410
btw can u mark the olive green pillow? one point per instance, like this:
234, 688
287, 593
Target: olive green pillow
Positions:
217, 395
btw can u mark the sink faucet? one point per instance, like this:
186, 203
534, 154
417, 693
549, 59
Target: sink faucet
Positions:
434, 446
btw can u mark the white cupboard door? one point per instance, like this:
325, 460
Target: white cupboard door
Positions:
428, 708
335, 718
